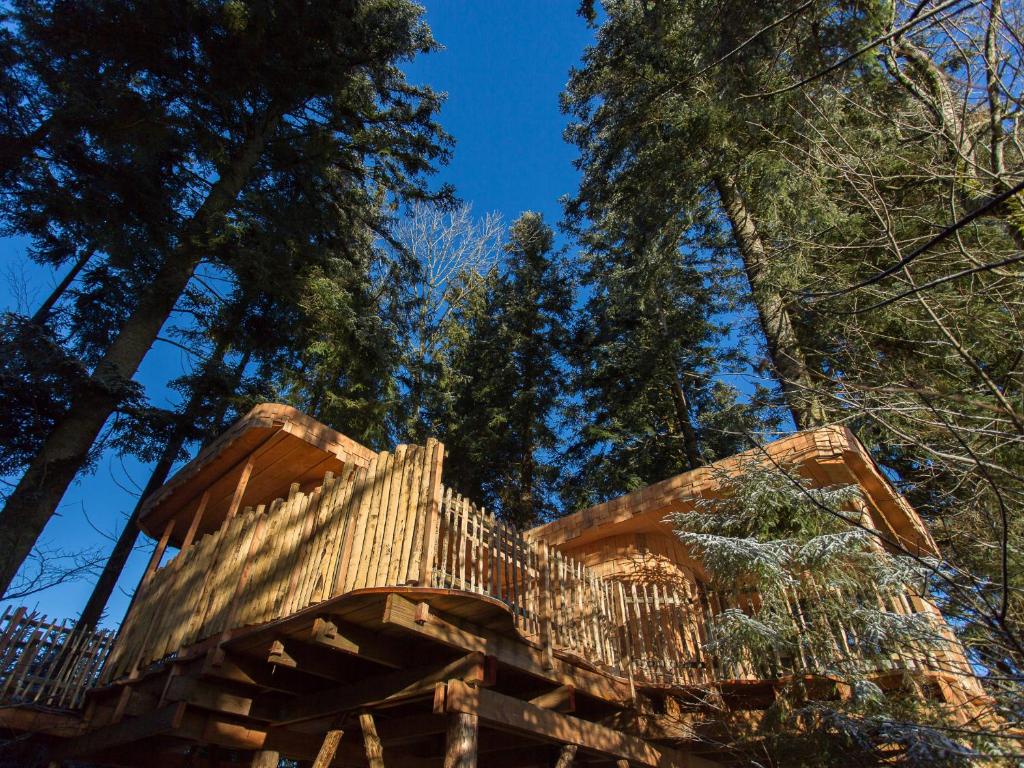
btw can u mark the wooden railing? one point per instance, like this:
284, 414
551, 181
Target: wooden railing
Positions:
659, 633
393, 524
46, 663
366, 528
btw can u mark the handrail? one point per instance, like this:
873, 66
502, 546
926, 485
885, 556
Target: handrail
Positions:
46, 663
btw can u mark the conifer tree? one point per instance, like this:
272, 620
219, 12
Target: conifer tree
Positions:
507, 369
200, 107
649, 349
808, 589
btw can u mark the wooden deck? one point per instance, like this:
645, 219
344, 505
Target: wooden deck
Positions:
376, 611
393, 524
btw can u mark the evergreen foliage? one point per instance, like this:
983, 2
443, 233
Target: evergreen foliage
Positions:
506, 362
826, 592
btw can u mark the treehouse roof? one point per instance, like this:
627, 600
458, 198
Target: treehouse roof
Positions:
827, 456
276, 445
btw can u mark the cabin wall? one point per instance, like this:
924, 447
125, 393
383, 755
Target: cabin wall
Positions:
643, 557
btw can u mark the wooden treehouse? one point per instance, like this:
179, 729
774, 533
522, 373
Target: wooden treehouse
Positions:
335, 606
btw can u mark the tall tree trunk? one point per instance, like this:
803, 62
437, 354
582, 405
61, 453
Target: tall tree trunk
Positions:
33, 502
691, 444
112, 569
787, 357
43, 313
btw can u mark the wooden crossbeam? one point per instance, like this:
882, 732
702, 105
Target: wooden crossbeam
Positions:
382, 690
254, 672
562, 699
506, 712
359, 641
400, 612
328, 749
157, 722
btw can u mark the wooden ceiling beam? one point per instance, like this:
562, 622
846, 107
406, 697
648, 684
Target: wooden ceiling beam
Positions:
414, 619
508, 713
382, 690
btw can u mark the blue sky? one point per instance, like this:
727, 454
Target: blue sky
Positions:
503, 67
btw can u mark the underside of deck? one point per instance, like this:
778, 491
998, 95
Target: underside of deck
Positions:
411, 659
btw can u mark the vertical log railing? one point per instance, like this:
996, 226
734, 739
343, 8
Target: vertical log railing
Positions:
394, 524
46, 663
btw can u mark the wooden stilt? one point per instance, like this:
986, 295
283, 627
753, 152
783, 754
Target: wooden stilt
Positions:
327, 749
622, 764
266, 758
461, 744
374, 749
566, 756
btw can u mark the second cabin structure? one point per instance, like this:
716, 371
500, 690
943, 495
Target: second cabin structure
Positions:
336, 605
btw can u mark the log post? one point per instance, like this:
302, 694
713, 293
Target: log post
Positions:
236, 498
461, 742
371, 741
566, 756
328, 749
197, 518
265, 758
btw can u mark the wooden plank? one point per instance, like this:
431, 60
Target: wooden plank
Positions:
406, 574
359, 641
520, 716
347, 558
362, 562
243, 483
401, 612
160, 721
562, 699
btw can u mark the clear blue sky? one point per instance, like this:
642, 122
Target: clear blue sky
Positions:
503, 67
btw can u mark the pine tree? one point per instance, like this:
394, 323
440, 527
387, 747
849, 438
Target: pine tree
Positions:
508, 379
805, 582
649, 349
667, 120
208, 105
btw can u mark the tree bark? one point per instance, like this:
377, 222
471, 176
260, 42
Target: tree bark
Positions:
787, 356
461, 741
33, 502
43, 313
112, 569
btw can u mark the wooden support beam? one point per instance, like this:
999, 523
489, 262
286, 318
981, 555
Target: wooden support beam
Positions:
155, 723
371, 741
236, 498
519, 716
566, 756
318, 661
562, 699
255, 672
359, 641
328, 749
461, 742
383, 690
400, 612
197, 518
202, 694
266, 758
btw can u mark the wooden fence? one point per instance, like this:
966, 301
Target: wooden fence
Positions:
47, 663
659, 633
394, 524
366, 528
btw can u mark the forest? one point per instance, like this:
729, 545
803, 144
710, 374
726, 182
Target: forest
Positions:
788, 214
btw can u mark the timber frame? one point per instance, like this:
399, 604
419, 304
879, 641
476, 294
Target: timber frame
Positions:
336, 606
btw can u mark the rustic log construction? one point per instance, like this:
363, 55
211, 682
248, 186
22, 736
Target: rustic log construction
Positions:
336, 606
